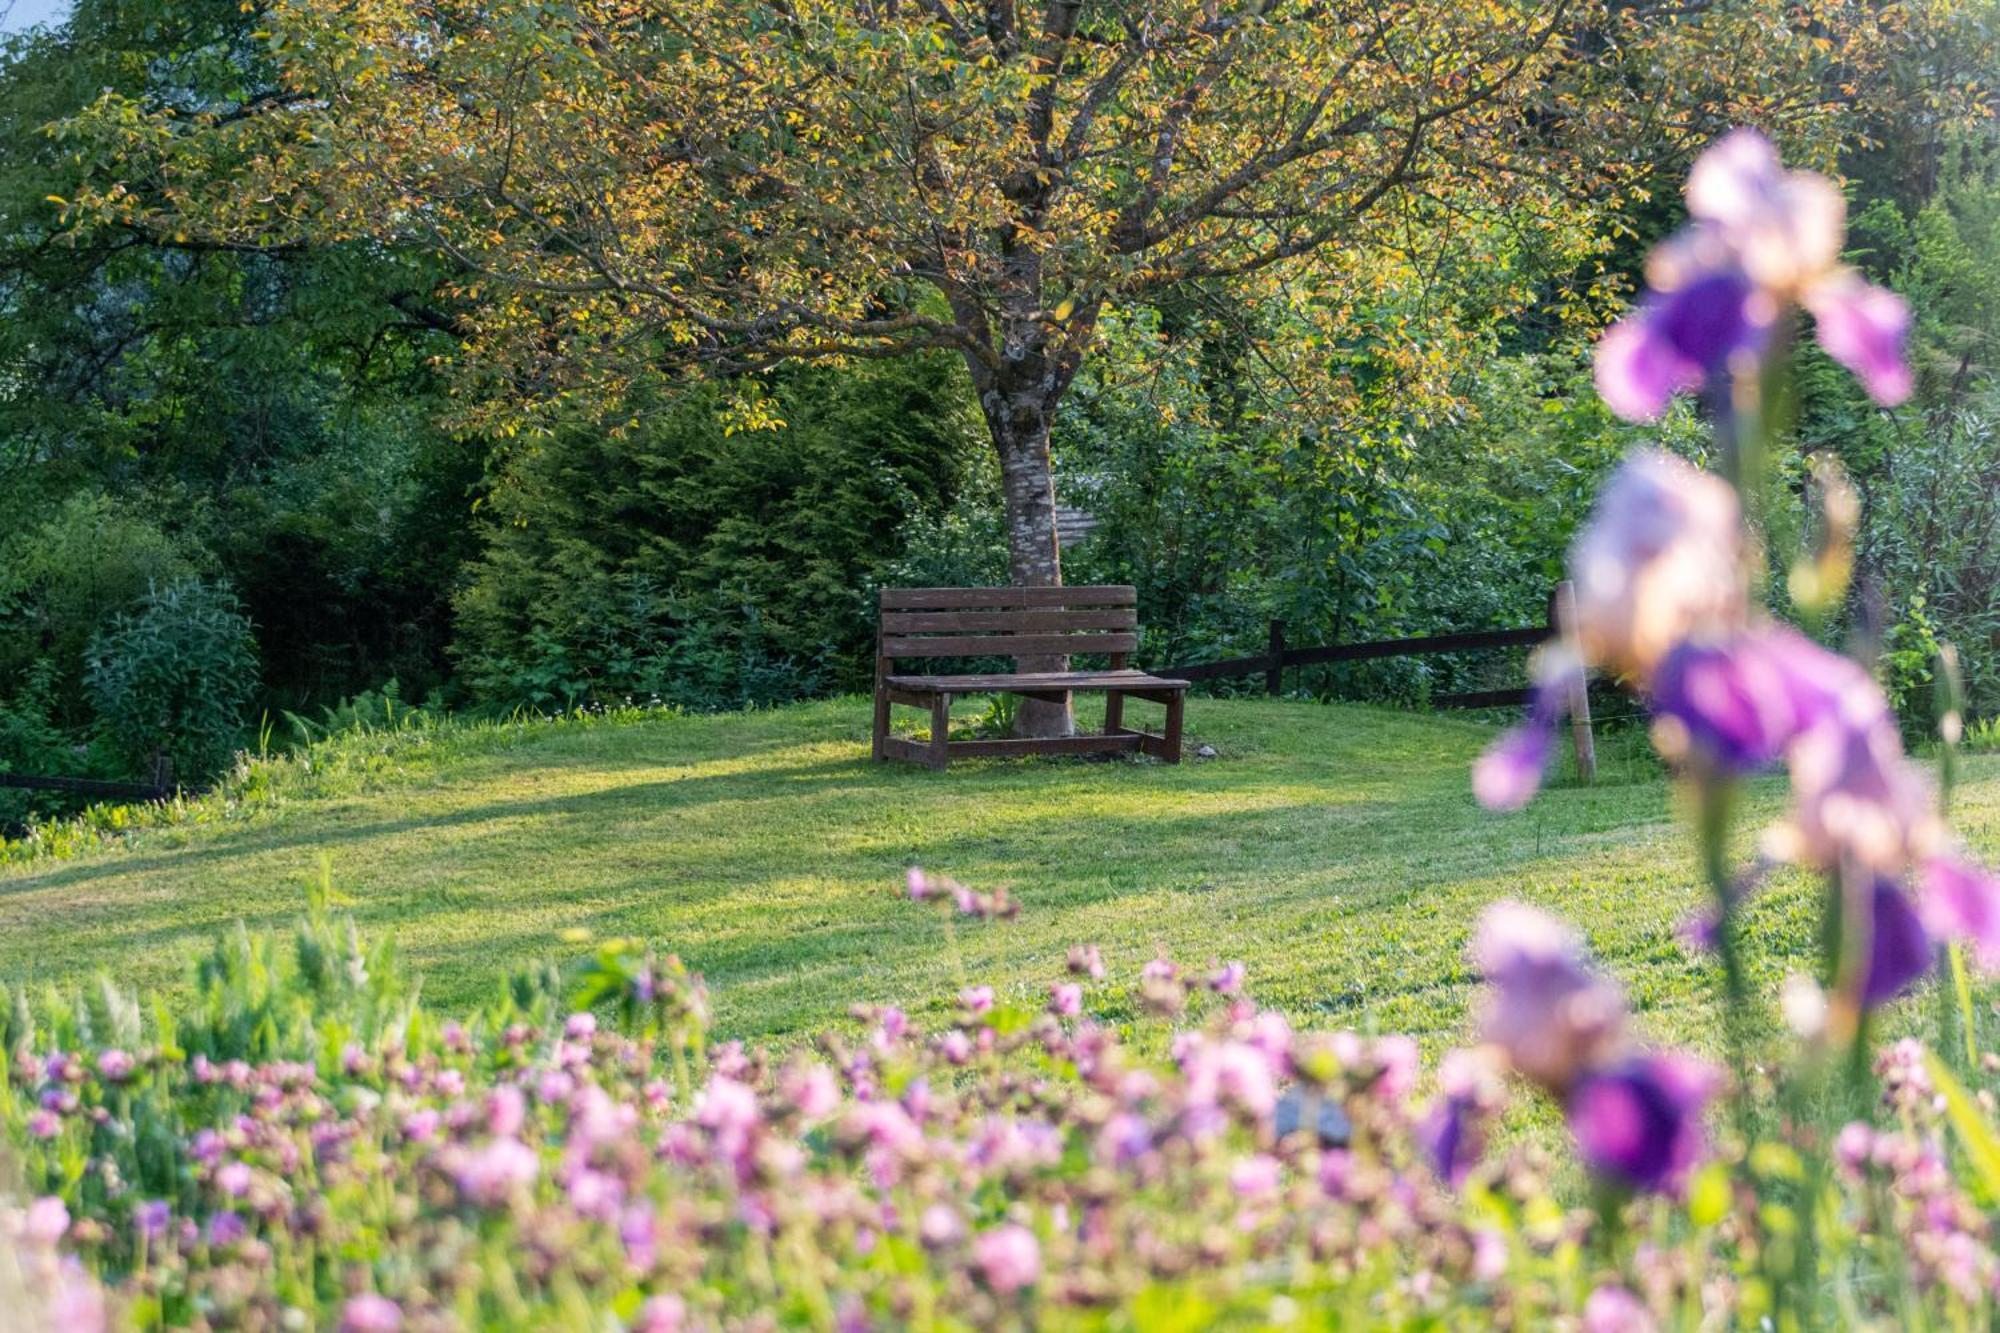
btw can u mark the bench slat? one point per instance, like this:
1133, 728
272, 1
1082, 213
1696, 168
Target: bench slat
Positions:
961, 599
988, 682
1009, 645
1018, 622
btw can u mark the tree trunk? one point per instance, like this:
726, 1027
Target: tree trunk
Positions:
1019, 422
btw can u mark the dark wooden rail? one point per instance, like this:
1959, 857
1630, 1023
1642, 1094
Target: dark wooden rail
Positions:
109, 791
1271, 664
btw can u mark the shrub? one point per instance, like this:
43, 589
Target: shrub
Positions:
90, 558
175, 680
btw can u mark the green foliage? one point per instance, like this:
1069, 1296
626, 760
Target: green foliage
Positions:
62, 578
678, 561
175, 680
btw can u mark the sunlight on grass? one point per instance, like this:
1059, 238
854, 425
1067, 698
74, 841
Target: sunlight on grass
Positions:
1336, 849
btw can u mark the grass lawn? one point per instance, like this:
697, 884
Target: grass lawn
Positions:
1335, 849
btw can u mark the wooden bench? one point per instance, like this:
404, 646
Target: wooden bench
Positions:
1017, 623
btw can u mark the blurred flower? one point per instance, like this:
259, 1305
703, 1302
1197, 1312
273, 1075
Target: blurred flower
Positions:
1659, 561
47, 1222
370, 1313
1639, 1121
1738, 702
1760, 238
1962, 899
1085, 961
115, 1066
1899, 948
1551, 1012
1066, 1000
1227, 979
1008, 1258
1616, 1310
490, 1175
1856, 798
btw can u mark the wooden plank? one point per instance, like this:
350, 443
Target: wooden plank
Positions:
1015, 622
1436, 643
1123, 741
1009, 645
898, 747
990, 682
964, 599
1234, 666
1482, 699
110, 791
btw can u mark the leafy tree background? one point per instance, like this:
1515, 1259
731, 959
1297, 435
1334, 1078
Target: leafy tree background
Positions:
410, 465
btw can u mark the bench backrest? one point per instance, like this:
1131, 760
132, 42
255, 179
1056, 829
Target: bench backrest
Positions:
1010, 622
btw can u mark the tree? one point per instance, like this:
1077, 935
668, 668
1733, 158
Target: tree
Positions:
740, 183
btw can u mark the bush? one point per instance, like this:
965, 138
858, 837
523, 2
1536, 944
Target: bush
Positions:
175, 680
62, 579
675, 558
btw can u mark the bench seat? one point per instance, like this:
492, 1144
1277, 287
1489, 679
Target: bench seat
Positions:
1035, 624
1041, 680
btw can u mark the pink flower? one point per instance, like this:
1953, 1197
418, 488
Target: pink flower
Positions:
506, 1111
115, 1066
234, 1179
1547, 1008
1066, 1000
490, 1175
580, 1026
1616, 1310
665, 1313
919, 884
1085, 960
47, 1222
1254, 1179
940, 1226
976, 999
811, 1089
370, 1313
1008, 1258
77, 1304
44, 1124
1227, 979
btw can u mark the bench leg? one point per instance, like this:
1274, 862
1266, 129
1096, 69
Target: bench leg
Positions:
1171, 748
940, 754
881, 718
1114, 713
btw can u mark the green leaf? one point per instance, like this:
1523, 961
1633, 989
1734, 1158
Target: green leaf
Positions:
1982, 1148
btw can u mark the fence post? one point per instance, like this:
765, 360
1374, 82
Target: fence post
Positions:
1274, 675
1562, 618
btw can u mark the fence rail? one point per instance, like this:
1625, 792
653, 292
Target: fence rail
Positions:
1271, 664
110, 791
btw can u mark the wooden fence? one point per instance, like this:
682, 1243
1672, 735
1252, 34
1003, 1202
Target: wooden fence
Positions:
93, 787
1271, 664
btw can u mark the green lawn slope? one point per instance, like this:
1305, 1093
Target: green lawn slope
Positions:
1335, 849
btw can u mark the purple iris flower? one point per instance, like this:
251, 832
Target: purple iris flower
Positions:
1760, 239
1639, 1121
1509, 774
1678, 339
1899, 948
1740, 701
1450, 1137
1963, 899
